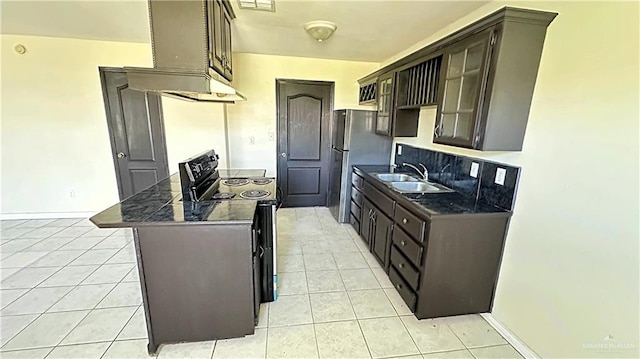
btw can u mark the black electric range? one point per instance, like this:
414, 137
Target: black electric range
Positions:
200, 181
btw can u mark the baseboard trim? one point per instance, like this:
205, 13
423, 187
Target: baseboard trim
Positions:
515, 342
45, 215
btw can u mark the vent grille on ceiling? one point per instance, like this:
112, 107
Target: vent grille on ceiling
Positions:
263, 5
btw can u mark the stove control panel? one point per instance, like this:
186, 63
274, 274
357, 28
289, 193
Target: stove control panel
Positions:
198, 174
202, 165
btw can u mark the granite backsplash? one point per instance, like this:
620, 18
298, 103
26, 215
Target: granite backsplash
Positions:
454, 171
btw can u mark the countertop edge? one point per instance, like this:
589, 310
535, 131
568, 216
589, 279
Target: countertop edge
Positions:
173, 224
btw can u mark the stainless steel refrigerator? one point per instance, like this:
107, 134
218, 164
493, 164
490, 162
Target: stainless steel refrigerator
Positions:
354, 142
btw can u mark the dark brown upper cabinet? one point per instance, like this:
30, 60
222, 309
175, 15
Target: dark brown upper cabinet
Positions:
464, 73
368, 93
219, 19
392, 121
487, 74
489, 81
385, 104
418, 84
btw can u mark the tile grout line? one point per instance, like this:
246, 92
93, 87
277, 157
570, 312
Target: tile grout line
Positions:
213, 350
358, 322
38, 316
458, 337
313, 320
111, 344
57, 249
45, 312
404, 325
95, 306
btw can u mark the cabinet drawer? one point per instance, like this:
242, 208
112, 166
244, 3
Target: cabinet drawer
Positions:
357, 181
408, 247
403, 289
355, 210
357, 196
410, 223
354, 223
379, 199
405, 268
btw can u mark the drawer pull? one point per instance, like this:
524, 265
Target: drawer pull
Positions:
401, 265
398, 286
404, 220
403, 243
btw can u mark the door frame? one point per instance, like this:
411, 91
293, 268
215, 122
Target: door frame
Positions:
103, 70
279, 83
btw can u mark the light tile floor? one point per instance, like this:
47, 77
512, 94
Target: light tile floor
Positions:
71, 290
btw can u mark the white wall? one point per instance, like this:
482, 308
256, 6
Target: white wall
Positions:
255, 76
53, 118
570, 274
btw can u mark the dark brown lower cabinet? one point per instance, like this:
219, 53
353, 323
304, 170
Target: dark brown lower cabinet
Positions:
198, 281
366, 222
381, 241
440, 265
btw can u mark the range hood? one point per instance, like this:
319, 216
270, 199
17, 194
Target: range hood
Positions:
181, 63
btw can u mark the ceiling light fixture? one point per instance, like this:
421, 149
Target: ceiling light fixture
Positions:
320, 30
264, 5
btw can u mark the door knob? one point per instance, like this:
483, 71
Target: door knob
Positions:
283, 155
121, 155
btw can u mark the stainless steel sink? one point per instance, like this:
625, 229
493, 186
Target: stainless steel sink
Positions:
419, 187
395, 177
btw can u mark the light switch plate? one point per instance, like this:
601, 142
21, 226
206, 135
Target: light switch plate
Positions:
475, 166
399, 150
501, 173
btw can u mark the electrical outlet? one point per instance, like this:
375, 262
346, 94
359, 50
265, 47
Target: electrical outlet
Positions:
399, 150
475, 166
252, 140
272, 136
72, 193
500, 175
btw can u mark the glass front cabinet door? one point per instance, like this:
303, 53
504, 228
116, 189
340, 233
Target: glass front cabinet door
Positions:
385, 105
465, 70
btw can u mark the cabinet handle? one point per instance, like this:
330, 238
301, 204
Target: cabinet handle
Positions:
398, 286
401, 265
437, 132
404, 220
403, 243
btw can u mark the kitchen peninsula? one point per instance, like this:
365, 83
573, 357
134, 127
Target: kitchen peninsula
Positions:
204, 265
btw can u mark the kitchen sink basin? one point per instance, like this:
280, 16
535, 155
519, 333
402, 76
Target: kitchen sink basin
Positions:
395, 177
419, 187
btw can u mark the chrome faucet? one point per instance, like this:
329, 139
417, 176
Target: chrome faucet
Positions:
424, 174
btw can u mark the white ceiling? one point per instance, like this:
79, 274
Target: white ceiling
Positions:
370, 30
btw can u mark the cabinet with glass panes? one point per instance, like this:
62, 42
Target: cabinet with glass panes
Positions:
465, 66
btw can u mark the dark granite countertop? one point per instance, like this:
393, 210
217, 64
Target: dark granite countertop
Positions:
161, 204
433, 204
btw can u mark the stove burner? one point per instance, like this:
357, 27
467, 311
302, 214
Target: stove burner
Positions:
224, 195
261, 181
254, 194
235, 182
